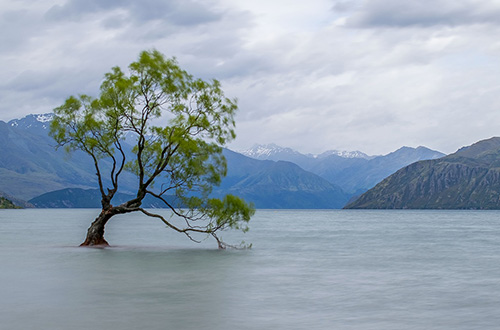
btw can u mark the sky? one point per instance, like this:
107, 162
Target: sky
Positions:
368, 75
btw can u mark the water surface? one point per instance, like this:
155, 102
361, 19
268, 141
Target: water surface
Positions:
341, 269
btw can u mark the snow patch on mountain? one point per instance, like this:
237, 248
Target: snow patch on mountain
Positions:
44, 118
266, 151
343, 154
33, 121
270, 151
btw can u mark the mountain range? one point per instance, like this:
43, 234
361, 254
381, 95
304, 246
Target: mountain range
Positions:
31, 169
467, 179
30, 165
355, 172
274, 152
278, 184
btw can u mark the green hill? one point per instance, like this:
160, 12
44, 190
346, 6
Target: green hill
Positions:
7, 204
467, 179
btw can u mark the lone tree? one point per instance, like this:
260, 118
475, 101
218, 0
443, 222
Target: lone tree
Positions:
177, 163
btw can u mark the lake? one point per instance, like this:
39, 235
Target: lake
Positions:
334, 269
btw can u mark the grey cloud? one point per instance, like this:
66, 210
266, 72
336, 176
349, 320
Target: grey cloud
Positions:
176, 12
191, 13
17, 27
74, 10
56, 84
425, 13
64, 50
303, 88
344, 5
40, 91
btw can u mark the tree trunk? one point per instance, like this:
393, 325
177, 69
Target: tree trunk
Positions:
95, 233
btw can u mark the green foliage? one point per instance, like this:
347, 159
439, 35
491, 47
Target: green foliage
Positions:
7, 204
231, 211
184, 156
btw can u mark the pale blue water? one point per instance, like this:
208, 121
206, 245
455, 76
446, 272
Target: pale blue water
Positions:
341, 269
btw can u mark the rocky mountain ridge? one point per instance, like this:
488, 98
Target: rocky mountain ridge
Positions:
467, 179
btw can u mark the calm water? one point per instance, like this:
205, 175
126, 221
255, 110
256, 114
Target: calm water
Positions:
306, 270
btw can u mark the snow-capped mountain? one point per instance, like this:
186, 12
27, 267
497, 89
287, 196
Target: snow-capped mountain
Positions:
37, 121
344, 154
269, 152
30, 167
274, 152
353, 171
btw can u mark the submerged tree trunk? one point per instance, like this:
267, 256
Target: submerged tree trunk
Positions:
95, 233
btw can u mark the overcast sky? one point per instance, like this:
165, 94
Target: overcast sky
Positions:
313, 75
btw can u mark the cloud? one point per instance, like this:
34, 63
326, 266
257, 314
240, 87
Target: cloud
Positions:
176, 12
326, 74
377, 89
50, 51
426, 13
19, 26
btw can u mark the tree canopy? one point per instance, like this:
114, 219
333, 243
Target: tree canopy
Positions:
177, 126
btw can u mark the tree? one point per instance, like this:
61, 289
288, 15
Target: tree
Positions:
177, 163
